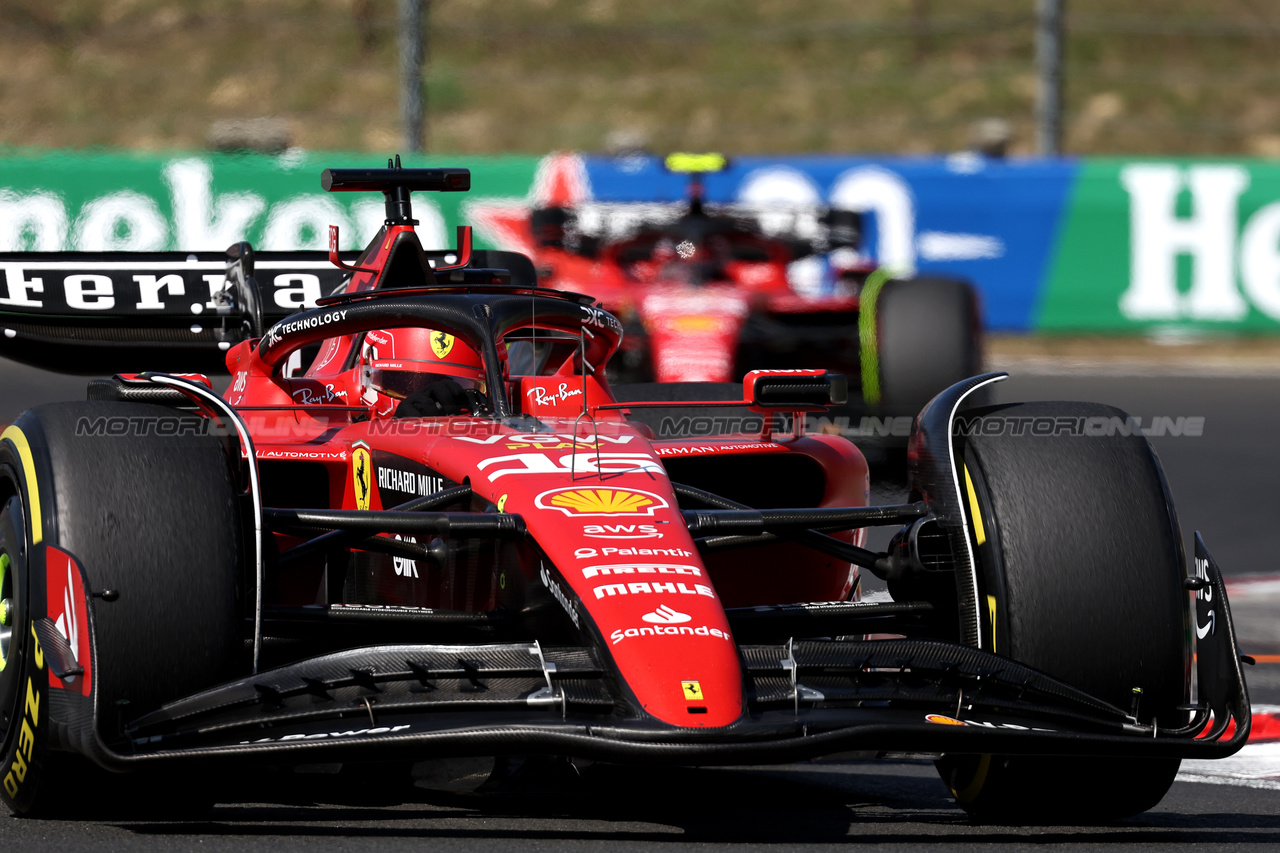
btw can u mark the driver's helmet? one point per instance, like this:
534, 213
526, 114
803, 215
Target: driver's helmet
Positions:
402, 362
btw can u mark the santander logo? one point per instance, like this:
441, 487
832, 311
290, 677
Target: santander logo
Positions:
665, 615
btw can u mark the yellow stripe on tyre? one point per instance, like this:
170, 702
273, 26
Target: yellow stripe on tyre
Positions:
979, 532
19, 441
970, 792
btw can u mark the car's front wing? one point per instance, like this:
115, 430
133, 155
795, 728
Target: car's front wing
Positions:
803, 698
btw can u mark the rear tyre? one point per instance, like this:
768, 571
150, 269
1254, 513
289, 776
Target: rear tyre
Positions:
154, 518
928, 337
1080, 575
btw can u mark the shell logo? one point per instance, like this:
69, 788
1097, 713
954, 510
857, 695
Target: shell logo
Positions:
940, 720
695, 323
601, 501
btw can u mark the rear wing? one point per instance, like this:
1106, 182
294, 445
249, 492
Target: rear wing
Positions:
180, 312
112, 312
121, 312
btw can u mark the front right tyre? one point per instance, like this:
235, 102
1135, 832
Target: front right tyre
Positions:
1081, 570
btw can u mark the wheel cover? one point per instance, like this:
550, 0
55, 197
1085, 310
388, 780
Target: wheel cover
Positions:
12, 607
6, 609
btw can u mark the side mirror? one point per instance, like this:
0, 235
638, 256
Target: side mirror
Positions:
795, 390
240, 296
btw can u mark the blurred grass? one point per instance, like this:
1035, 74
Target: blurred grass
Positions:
1177, 77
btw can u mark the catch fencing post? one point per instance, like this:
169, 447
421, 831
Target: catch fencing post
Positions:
1049, 38
412, 97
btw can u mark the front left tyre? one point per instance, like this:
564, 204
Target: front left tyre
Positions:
152, 517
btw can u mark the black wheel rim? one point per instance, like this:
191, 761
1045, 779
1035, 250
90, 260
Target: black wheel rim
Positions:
13, 553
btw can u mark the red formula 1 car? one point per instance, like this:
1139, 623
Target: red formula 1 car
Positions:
707, 295
418, 524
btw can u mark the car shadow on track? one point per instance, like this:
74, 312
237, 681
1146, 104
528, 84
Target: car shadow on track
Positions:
818, 802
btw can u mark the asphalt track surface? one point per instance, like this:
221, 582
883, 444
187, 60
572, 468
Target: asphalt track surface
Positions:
1224, 484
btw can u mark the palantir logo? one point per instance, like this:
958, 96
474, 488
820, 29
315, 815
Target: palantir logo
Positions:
665, 615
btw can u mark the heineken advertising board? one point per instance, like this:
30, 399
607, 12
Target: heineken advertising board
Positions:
1166, 243
1096, 245
120, 202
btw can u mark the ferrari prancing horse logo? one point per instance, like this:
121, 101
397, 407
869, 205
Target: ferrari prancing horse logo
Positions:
692, 691
441, 343
362, 472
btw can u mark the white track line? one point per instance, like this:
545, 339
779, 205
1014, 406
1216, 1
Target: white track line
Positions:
1255, 766
1243, 586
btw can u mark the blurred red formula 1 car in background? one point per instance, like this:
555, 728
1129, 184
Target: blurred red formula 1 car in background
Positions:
707, 293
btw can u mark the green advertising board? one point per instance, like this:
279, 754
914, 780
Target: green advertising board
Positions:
1167, 244
52, 201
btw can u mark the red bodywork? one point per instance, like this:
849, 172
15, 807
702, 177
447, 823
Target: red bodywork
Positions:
689, 297
594, 493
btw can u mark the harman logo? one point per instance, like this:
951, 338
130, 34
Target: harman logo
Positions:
601, 501
665, 615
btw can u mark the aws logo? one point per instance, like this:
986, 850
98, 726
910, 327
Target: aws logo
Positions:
601, 501
621, 531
